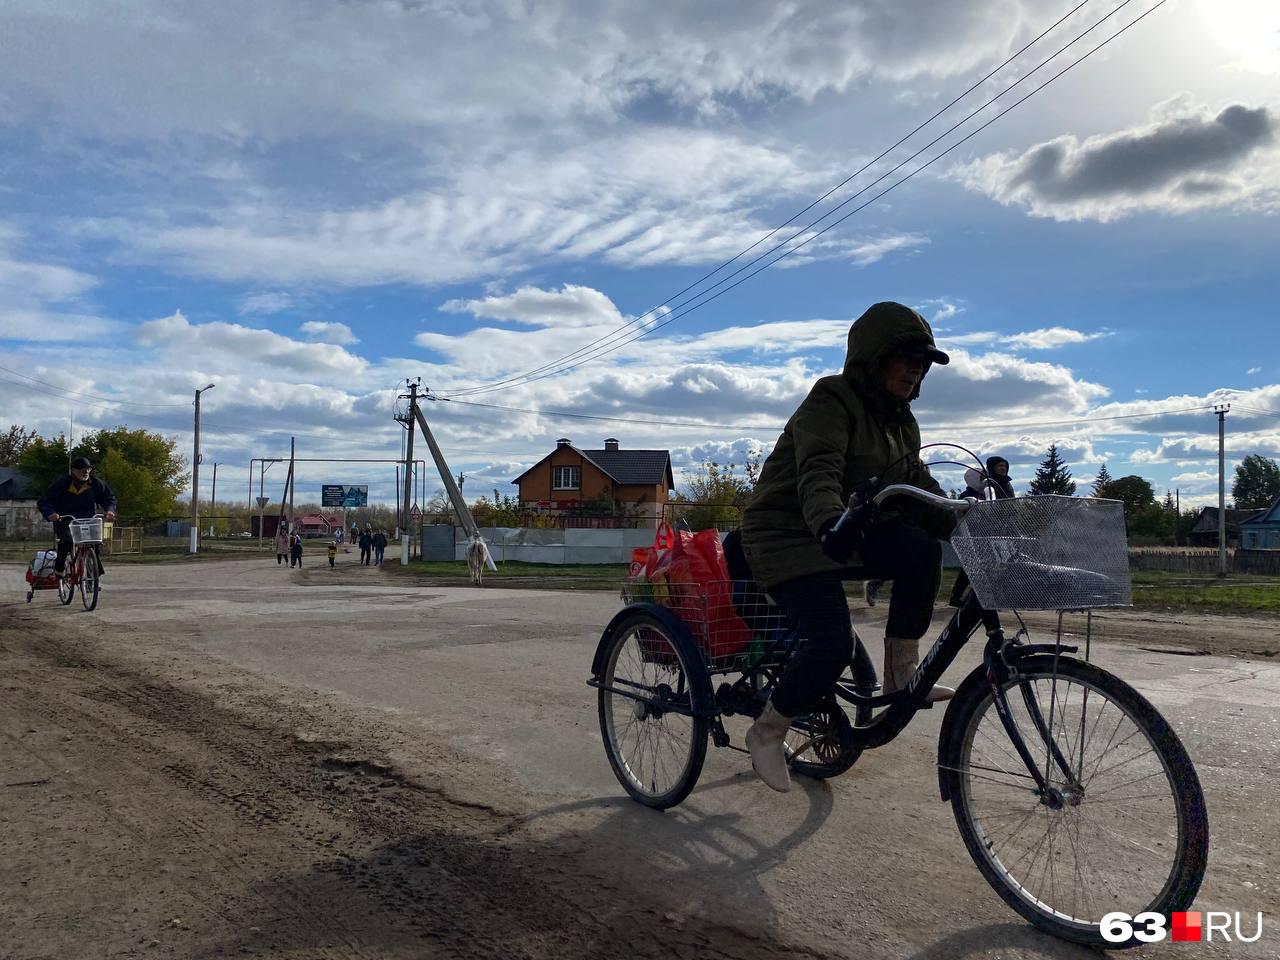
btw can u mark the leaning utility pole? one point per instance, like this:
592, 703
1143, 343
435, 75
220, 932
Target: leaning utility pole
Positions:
1221, 410
455, 495
213, 499
408, 474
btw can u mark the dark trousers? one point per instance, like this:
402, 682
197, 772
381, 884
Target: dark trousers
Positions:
62, 530
818, 611
378, 553
364, 555
295, 557
279, 559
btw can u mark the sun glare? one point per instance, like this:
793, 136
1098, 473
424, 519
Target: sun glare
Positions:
1248, 28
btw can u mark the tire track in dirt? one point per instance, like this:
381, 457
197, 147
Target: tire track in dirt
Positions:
325, 845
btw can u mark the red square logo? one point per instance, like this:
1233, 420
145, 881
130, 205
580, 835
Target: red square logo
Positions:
1186, 926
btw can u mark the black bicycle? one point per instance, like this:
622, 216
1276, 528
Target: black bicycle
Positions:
1074, 796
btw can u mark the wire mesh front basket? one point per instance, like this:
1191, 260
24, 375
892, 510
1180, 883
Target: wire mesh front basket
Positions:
1045, 553
734, 623
86, 531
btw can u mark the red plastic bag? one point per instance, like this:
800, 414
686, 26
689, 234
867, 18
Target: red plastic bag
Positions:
691, 577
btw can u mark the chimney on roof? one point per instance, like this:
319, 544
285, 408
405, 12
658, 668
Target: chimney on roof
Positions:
563, 442
611, 443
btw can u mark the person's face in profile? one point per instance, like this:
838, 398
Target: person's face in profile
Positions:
902, 375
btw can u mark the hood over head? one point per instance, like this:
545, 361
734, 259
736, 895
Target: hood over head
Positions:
885, 328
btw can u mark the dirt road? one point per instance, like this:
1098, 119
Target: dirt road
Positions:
223, 761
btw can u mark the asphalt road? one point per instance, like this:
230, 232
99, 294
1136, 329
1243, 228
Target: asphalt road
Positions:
485, 692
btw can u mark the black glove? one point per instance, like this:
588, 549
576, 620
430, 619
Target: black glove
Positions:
840, 545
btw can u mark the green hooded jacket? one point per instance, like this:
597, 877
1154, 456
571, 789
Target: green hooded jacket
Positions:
847, 430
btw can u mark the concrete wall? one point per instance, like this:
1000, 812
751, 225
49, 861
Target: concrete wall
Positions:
534, 545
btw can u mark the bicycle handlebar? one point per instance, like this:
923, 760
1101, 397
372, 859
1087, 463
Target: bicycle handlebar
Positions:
959, 506
903, 489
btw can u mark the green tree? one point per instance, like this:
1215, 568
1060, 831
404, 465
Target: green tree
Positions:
143, 469
13, 443
1142, 514
42, 461
1257, 482
1053, 476
1102, 479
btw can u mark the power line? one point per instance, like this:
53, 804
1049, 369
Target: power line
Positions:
710, 297
75, 393
462, 391
980, 425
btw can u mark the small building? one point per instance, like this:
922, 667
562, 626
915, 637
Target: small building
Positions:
1262, 531
609, 487
318, 525
1205, 531
19, 516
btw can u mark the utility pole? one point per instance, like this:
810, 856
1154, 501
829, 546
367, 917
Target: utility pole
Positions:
455, 494
195, 477
291, 476
1221, 410
408, 469
213, 499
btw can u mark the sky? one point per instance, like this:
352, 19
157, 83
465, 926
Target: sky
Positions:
524, 205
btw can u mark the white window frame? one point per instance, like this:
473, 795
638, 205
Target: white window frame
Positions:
574, 474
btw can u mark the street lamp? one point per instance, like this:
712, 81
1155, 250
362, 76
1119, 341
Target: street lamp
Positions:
195, 477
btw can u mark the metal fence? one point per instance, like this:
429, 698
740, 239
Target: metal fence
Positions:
120, 540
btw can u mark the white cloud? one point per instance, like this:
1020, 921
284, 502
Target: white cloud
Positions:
264, 303
221, 348
1186, 158
338, 333
1253, 370
1048, 338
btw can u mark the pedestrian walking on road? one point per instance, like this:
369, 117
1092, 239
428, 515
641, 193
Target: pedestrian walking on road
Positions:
366, 547
333, 552
282, 544
379, 546
295, 551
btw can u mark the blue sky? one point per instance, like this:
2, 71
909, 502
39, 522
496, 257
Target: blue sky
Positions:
306, 203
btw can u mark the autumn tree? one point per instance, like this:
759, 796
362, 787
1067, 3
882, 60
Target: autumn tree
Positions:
13, 443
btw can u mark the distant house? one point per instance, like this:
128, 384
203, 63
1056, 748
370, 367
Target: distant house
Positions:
318, 525
1262, 531
19, 517
1205, 531
569, 482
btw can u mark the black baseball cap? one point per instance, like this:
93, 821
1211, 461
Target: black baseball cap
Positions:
82, 463
925, 351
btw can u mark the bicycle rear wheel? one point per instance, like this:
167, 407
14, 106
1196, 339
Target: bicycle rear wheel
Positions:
89, 583
1123, 827
655, 745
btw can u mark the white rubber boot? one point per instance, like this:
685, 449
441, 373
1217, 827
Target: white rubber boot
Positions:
901, 657
764, 740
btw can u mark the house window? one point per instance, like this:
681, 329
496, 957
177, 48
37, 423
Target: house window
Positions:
567, 478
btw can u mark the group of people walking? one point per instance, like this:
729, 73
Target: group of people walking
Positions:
371, 540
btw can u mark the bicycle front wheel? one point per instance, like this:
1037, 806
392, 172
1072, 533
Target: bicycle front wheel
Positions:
1122, 826
89, 581
655, 744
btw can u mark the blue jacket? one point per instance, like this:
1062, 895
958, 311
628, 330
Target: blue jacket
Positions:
68, 497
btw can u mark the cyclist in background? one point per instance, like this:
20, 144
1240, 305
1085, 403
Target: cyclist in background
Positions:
76, 496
